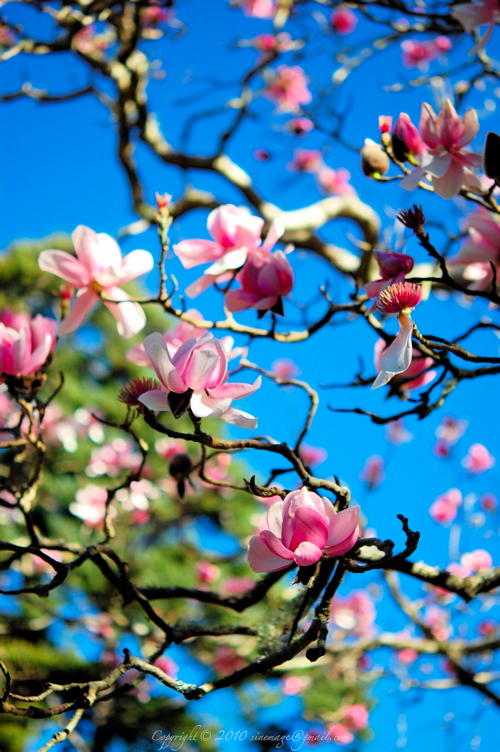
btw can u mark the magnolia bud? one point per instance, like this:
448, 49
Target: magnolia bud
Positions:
374, 160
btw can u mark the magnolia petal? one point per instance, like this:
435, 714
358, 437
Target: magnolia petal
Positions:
411, 181
397, 357
436, 165
155, 400
199, 285
109, 252
66, 266
195, 252
309, 525
261, 559
306, 554
342, 526
345, 545
239, 300
235, 391
231, 260
39, 354
130, 318
204, 406
78, 311
275, 545
158, 354
134, 264
471, 128
87, 248
274, 518
450, 184
429, 129
240, 418
276, 230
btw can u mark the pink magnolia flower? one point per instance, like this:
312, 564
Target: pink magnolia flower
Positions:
373, 471
355, 716
267, 43
488, 502
481, 249
397, 433
407, 655
259, 8
288, 88
405, 139
445, 507
236, 232
394, 266
438, 620
173, 337
306, 160
418, 54
478, 460
444, 158
25, 346
196, 377
451, 429
294, 685
207, 573
443, 44
284, 368
265, 278
335, 182
476, 560
343, 20
312, 456
399, 298
301, 528
97, 272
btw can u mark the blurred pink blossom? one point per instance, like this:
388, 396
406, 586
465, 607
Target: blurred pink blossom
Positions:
478, 459
343, 20
480, 251
259, 8
306, 160
354, 613
311, 455
477, 560
397, 433
488, 502
445, 507
112, 458
373, 471
355, 717
90, 505
339, 734
168, 666
451, 429
288, 88
335, 182
299, 126
207, 573
406, 656
284, 368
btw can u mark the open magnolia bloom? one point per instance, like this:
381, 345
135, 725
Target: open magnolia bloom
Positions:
195, 377
444, 158
302, 528
400, 298
235, 233
26, 344
99, 270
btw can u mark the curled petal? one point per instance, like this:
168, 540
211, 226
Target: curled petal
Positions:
240, 418
204, 406
397, 357
275, 545
235, 391
306, 554
39, 354
342, 527
155, 400
231, 260
274, 518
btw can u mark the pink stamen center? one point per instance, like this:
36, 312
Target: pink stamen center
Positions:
399, 297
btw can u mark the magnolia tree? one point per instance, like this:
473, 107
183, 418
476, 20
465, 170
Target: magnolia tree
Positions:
161, 545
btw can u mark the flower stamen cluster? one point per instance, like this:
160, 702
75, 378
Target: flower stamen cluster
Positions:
401, 297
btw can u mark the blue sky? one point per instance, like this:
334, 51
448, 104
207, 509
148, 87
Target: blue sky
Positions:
60, 169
